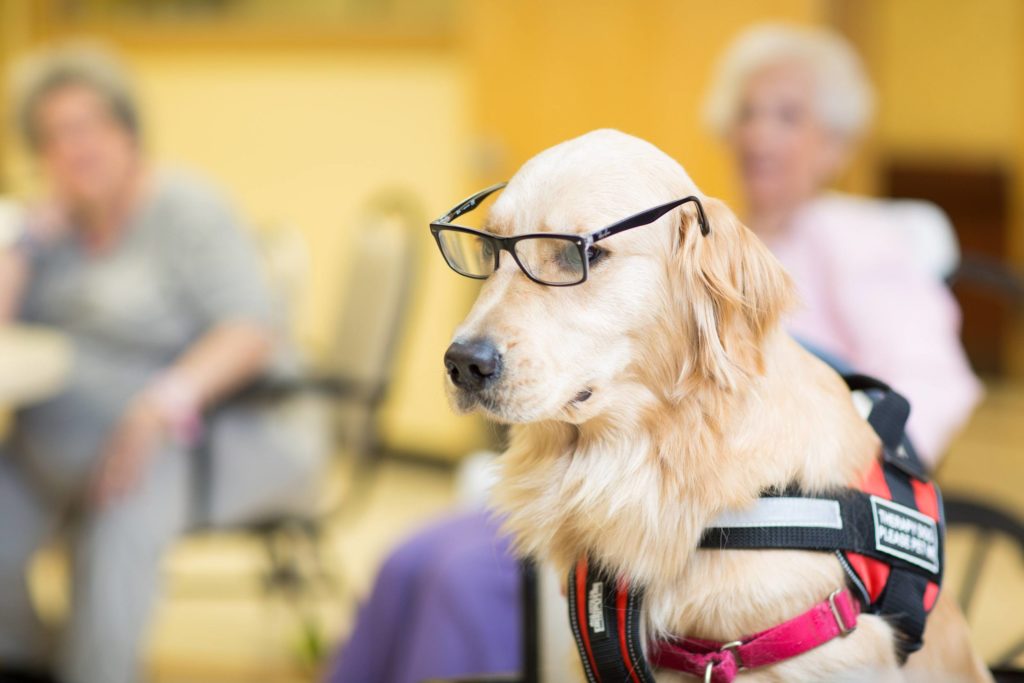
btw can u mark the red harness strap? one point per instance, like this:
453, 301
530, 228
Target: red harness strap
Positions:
720, 662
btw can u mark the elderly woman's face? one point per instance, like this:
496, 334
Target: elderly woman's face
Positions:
85, 151
784, 152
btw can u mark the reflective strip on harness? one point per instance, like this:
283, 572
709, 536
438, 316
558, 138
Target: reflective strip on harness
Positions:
784, 512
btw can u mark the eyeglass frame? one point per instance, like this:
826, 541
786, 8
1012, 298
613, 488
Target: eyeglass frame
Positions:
583, 242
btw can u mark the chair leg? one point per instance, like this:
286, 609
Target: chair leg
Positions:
297, 570
284, 573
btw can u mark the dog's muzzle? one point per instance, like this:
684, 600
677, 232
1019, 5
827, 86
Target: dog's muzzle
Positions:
473, 365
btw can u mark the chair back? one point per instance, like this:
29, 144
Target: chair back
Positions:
382, 267
286, 263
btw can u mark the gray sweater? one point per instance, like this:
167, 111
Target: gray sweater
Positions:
182, 266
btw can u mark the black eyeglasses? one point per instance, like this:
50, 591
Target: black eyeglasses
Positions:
552, 259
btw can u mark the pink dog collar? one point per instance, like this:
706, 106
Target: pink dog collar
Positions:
603, 613
720, 662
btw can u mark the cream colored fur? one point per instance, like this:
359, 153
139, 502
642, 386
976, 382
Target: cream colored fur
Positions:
699, 402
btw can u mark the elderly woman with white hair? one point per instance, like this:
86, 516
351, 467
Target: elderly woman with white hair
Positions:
792, 103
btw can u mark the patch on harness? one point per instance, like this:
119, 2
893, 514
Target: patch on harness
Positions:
595, 608
906, 534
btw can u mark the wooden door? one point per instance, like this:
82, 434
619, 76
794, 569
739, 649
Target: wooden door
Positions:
977, 200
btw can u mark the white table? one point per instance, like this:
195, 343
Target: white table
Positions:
34, 364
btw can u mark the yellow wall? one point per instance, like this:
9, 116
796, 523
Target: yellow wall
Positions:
14, 37
547, 71
948, 77
305, 139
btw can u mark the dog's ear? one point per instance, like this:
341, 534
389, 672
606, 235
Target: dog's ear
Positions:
731, 293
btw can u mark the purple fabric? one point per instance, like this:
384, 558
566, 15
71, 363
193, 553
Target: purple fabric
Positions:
445, 603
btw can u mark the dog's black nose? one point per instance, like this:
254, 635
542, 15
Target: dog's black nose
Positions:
472, 365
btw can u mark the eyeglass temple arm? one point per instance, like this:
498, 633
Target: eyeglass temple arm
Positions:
651, 215
471, 203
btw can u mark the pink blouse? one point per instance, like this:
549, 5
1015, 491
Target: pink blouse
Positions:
868, 300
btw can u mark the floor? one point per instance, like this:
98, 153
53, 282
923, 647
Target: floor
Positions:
219, 625
216, 624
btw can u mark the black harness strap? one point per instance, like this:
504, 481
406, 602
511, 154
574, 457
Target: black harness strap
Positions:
888, 417
857, 534
605, 615
889, 413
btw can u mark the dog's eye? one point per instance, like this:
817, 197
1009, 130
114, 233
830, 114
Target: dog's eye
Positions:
595, 254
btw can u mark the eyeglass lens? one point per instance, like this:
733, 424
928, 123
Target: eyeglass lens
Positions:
552, 260
467, 253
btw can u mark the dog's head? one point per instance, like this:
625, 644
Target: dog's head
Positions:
664, 305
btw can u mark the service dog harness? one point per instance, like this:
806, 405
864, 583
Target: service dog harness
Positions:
888, 535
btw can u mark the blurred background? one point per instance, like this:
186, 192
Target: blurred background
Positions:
314, 114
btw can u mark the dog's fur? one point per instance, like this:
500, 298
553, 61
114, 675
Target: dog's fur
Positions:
699, 401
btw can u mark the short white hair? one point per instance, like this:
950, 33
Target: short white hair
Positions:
845, 98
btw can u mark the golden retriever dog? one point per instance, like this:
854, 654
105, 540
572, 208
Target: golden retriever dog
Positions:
657, 395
